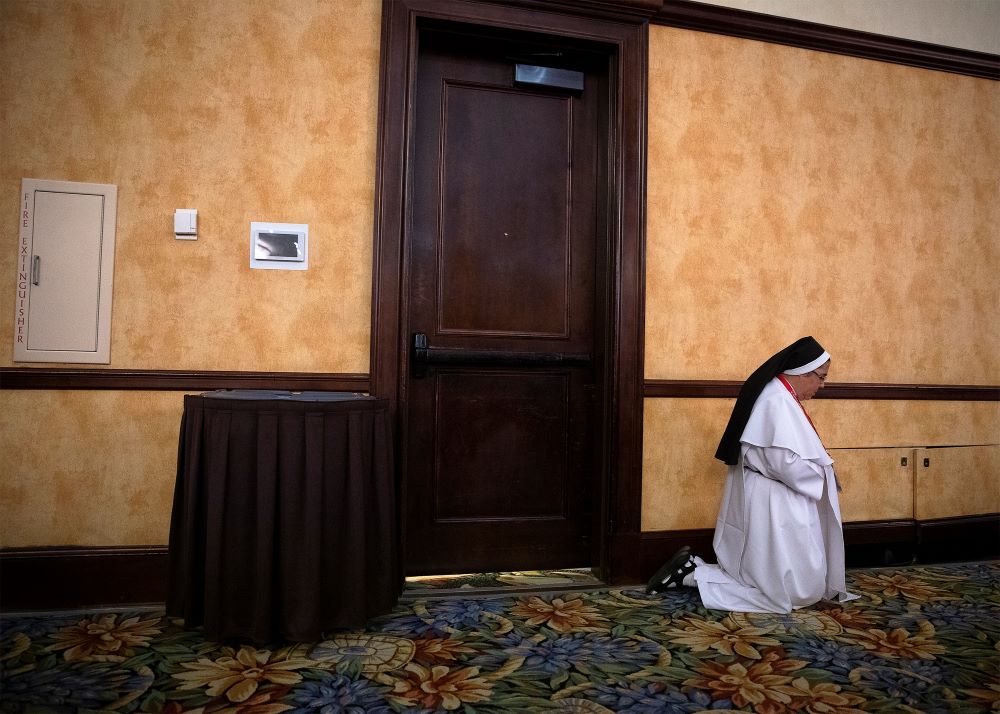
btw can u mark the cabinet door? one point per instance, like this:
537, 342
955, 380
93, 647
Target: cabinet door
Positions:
878, 483
65, 266
957, 481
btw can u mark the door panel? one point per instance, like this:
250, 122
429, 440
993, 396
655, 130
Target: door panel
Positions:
510, 149
502, 257
490, 459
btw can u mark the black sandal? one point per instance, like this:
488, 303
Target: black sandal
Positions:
672, 574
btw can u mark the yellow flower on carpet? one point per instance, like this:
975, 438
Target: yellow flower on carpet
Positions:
824, 698
900, 643
19, 644
758, 685
810, 620
571, 615
724, 637
989, 696
239, 676
260, 703
777, 657
104, 638
440, 687
898, 584
435, 650
851, 617
375, 653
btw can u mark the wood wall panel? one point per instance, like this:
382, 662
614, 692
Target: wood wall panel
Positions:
176, 380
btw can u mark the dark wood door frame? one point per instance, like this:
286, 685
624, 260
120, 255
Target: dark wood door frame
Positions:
626, 35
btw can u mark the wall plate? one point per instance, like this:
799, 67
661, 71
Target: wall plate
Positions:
279, 246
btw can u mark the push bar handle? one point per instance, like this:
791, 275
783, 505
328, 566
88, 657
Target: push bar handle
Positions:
424, 354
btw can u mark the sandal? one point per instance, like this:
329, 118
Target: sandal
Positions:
672, 574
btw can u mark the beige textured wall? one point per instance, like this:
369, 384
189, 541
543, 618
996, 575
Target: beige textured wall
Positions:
794, 192
99, 470
244, 109
248, 110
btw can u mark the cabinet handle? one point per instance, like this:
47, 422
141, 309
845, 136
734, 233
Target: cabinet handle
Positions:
36, 270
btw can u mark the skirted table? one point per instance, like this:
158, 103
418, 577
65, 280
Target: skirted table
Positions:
284, 521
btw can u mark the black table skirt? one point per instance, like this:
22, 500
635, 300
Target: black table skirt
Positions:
284, 521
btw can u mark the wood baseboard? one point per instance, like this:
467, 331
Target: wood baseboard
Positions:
945, 540
874, 543
67, 578
64, 578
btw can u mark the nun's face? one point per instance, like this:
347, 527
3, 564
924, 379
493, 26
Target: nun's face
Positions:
813, 381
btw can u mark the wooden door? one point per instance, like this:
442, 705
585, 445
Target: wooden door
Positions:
504, 247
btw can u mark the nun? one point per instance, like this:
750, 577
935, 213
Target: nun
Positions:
779, 536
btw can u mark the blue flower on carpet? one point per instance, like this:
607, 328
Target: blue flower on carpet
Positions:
979, 573
76, 687
438, 617
913, 682
962, 616
580, 651
653, 698
35, 626
336, 694
829, 655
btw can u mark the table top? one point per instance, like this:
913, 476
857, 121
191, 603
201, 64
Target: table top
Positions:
285, 395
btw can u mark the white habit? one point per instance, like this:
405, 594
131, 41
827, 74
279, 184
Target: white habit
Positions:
779, 536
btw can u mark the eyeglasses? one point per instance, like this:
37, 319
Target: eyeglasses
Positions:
822, 377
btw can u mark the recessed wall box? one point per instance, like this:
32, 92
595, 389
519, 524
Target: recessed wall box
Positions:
65, 272
279, 246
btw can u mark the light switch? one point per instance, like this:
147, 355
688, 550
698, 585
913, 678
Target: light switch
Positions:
186, 224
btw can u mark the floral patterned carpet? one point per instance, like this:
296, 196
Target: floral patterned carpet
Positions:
920, 639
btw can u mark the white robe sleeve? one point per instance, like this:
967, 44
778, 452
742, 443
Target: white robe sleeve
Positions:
800, 475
